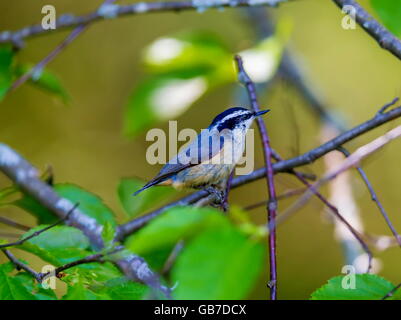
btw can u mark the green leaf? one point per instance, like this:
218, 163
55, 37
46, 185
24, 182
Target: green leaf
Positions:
176, 224
123, 289
35, 288
6, 76
58, 245
79, 291
42, 214
44, 80
143, 201
163, 97
89, 203
367, 287
93, 273
218, 264
11, 287
389, 12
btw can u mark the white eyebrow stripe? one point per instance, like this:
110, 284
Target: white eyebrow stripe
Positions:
235, 114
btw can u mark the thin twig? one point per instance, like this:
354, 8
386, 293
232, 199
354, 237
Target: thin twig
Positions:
5, 234
333, 209
25, 176
272, 205
38, 68
109, 11
227, 191
20, 265
285, 195
97, 257
373, 196
172, 257
391, 293
383, 37
290, 69
353, 160
36, 233
14, 224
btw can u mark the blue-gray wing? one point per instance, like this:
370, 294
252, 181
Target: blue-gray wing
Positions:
205, 147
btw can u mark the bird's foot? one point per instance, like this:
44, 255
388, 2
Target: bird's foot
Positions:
220, 198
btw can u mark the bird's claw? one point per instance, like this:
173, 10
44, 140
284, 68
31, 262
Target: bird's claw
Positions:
219, 198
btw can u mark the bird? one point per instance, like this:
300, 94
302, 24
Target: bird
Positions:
207, 162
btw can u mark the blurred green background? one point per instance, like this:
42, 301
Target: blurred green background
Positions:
83, 141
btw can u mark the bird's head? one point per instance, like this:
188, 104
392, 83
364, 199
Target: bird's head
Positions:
235, 118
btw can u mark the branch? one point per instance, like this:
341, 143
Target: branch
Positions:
391, 293
383, 37
38, 68
98, 257
374, 197
14, 224
25, 177
268, 154
291, 71
352, 161
281, 166
108, 11
21, 266
36, 233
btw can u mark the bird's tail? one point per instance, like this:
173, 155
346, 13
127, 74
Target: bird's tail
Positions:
148, 185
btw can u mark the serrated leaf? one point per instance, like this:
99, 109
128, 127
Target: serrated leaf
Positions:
44, 80
6, 74
218, 264
143, 201
11, 288
89, 203
389, 12
58, 245
367, 287
174, 225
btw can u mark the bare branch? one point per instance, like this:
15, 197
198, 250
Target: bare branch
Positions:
391, 293
109, 11
353, 160
374, 197
383, 37
14, 224
38, 68
25, 177
20, 265
36, 233
268, 154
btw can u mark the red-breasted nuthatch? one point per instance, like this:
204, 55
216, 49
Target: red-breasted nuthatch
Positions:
208, 161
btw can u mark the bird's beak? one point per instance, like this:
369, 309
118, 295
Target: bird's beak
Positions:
260, 113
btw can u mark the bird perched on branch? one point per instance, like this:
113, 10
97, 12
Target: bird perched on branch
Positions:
208, 161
